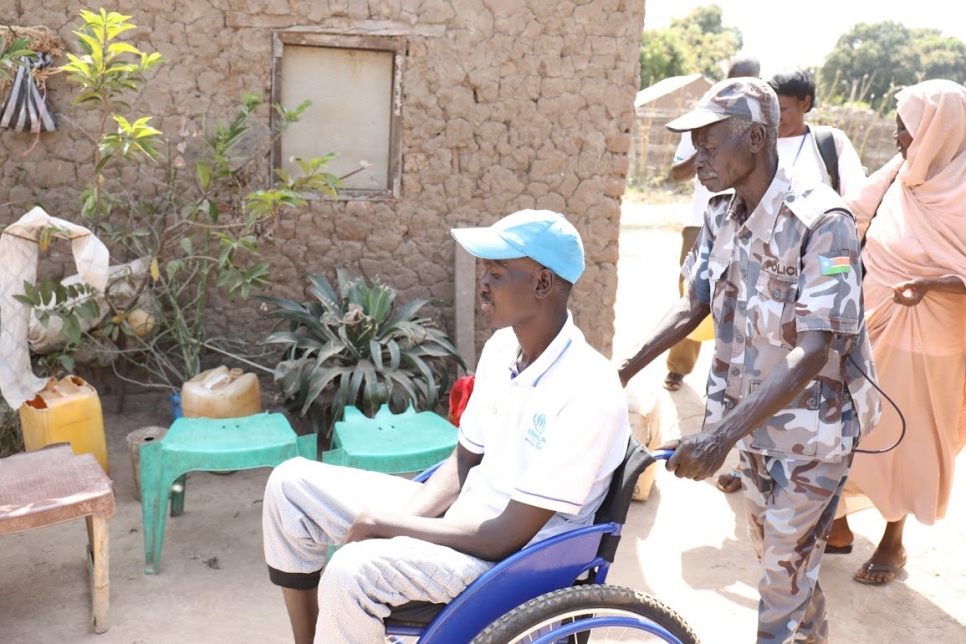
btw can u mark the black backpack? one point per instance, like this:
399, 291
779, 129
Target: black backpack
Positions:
830, 156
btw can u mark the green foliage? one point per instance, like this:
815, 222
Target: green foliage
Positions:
199, 224
11, 55
131, 141
69, 302
872, 61
356, 347
697, 43
663, 55
265, 204
213, 243
11, 435
106, 72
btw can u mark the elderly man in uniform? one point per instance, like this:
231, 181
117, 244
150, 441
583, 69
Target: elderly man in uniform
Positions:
777, 263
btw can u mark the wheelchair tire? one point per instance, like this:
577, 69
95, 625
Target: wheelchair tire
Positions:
524, 623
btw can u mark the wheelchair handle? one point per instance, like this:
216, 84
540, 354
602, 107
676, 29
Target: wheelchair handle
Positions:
662, 454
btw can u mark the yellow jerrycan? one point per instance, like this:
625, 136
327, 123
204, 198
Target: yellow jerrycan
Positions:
66, 411
221, 393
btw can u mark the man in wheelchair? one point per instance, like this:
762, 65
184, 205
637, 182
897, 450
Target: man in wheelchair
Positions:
538, 442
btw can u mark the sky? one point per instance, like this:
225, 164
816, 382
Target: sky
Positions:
801, 33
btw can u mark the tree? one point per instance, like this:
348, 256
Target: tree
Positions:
872, 61
697, 43
663, 55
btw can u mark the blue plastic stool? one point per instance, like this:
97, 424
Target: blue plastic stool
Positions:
391, 443
207, 445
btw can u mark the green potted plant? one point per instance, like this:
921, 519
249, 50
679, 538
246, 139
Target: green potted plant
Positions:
356, 346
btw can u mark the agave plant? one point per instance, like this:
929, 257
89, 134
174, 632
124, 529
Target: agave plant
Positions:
356, 347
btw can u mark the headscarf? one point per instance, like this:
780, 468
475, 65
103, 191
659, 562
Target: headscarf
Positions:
934, 112
922, 230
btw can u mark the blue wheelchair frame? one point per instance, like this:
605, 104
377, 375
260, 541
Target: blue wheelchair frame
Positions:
552, 564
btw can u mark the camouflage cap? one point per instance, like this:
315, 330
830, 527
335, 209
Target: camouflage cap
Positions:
745, 97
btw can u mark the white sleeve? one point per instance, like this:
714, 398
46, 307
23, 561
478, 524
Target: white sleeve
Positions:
851, 172
579, 445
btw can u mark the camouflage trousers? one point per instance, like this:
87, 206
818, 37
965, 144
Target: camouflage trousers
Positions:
791, 504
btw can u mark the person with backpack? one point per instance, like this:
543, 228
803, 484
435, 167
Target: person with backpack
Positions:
813, 153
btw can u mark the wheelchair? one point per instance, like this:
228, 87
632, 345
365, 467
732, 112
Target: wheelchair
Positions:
553, 591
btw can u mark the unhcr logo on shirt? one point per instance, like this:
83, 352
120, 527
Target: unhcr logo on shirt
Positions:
535, 435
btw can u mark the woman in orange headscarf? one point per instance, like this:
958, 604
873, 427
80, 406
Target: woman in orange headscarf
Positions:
915, 302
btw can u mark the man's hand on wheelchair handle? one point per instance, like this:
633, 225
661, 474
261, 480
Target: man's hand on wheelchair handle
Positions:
697, 456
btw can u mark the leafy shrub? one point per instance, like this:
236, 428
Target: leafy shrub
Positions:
356, 347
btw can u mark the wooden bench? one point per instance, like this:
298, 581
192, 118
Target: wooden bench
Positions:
53, 485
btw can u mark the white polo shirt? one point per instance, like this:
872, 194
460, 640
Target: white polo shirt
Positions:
551, 435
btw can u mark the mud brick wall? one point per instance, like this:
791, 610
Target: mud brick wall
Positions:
505, 105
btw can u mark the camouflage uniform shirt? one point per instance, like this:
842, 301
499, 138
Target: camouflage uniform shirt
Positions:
791, 266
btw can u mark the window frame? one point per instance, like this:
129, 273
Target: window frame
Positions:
398, 46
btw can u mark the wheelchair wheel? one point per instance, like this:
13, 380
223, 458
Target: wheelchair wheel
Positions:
612, 613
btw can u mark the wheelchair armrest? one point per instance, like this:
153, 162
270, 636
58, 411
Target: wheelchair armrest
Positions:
547, 565
423, 476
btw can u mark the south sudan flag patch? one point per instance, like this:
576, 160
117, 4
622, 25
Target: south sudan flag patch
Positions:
834, 265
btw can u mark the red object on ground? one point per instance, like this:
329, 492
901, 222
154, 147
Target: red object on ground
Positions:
459, 395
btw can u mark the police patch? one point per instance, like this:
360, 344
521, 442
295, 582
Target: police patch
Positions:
834, 265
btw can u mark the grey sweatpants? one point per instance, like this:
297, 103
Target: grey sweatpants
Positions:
310, 506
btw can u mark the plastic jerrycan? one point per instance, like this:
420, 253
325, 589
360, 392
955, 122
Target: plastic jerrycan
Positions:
221, 393
66, 411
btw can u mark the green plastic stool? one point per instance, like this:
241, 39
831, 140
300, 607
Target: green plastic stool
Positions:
391, 443
207, 445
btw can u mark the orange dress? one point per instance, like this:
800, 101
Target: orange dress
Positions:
920, 351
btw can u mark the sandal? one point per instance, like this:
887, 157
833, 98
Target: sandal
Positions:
840, 531
730, 481
869, 567
673, 381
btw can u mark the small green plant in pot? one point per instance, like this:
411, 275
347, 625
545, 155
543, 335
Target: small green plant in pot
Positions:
357, 347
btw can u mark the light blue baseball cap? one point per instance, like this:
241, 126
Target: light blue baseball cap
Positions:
542, 235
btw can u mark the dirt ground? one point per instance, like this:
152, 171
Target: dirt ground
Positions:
686, 544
